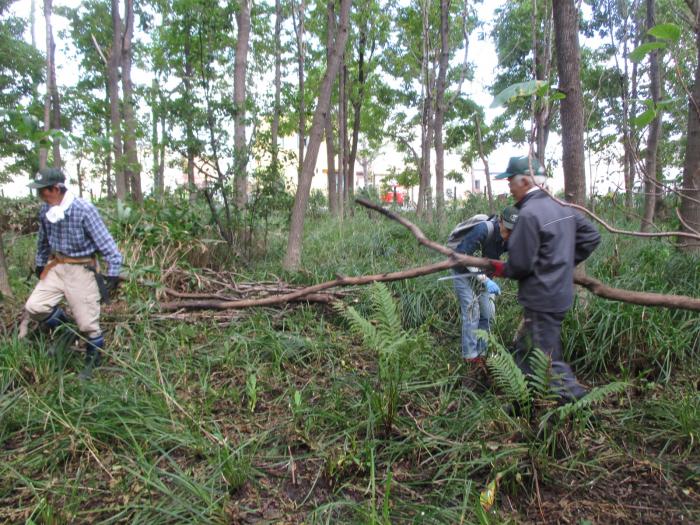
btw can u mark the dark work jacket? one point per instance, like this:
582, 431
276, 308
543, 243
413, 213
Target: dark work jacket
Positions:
477, 241
548, 241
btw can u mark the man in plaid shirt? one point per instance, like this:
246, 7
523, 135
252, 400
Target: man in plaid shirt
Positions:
71, 233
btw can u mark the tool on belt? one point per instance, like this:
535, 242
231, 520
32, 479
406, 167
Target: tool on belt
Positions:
88, 262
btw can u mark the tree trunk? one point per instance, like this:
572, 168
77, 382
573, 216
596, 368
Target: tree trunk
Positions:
571, 112
650, 186
274, 131
239, 96
358, 101
342, 130
114, 103
690, 200
542, 71
299, 28
423, 207
132, 171
330, 149
155, 147
52, 107
485, 161
343, 158
5, 288
189, 125
440, 107
301, 199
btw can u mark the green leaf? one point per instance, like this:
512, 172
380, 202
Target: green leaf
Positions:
645, 118
520, 89
641, 51
666, 31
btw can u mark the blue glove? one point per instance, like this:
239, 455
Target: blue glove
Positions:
492, 287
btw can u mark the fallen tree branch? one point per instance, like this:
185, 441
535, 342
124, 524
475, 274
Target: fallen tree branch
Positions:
595, 286
300, 295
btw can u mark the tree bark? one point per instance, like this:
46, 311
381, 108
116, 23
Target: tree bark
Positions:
571, 112
301, 199
115, 55
424, 205
189, 125
650, 185
690, 209
52, 107
132, 171
5, 288
440, 107
330, 139
299, 28
485, 161
239, 97
274, 131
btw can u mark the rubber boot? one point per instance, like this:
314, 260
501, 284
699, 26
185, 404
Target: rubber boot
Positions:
93, 356
57, 323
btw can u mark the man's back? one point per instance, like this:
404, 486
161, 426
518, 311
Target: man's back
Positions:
547, 242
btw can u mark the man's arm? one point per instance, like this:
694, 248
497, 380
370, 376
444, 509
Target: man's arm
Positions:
523, 247
587, 239
43, 250
97, 230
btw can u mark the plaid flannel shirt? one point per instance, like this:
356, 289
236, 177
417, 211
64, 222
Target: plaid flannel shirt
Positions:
82, 233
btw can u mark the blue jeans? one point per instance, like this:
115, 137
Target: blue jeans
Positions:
477, 310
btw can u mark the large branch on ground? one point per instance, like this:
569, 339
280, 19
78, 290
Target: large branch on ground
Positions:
595, 286
302, 294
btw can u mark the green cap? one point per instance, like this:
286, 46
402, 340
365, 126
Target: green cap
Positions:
521, 166
509, 216
46, 177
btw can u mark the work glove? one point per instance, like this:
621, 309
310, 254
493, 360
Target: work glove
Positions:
112, 283
38, 271
492, 287
499, 267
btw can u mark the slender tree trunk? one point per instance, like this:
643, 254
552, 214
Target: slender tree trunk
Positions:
440, 107
293, 256
571, 113
79, 171
690, 200
114, 102
342, 129
133, 168
299, 27
348, 178
239, 98
157, 184
358, 100
484, 160
278, 85
423, 205
189, 125
650, 189
542, 51
5, 288
52, 107
330, 139
161, 150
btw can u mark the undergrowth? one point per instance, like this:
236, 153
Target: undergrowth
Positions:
353, 415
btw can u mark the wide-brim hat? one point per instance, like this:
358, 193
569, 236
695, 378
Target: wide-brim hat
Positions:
521, 166
46, 177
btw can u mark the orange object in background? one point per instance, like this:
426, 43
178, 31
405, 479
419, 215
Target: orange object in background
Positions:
396, 195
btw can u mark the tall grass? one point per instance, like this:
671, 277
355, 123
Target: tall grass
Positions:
174, 429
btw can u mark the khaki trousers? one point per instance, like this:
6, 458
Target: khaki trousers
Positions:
79, 287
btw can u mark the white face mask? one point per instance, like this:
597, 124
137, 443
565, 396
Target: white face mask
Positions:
58, 213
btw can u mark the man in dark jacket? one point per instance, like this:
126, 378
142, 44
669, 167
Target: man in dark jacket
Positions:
548, 242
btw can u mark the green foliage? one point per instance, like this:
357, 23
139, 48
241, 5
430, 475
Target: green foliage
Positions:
382, 333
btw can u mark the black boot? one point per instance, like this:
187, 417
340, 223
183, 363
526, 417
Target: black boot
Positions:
58, 324
93, 356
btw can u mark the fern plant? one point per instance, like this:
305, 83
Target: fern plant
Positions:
537, 386
382, 332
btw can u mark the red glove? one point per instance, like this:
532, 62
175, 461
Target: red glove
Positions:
499, 267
